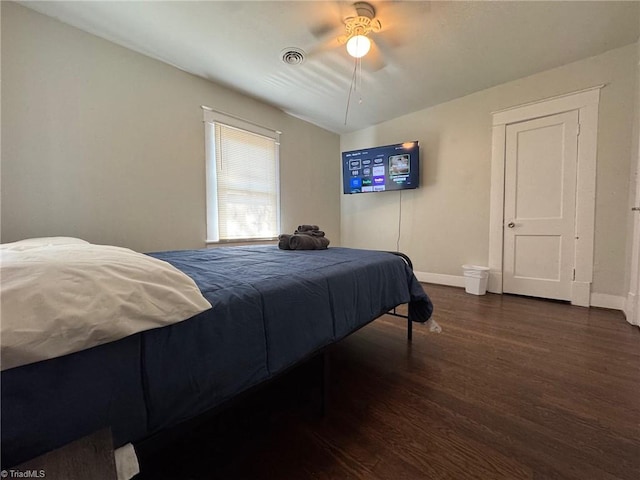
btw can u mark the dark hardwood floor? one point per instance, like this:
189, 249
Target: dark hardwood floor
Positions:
513, 388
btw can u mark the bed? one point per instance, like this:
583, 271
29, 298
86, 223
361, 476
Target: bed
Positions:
270, 310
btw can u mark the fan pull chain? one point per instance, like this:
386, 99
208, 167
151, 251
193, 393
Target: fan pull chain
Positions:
359, 62
356, 85
351, 89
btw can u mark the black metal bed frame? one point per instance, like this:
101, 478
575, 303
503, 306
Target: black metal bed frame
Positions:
394, 312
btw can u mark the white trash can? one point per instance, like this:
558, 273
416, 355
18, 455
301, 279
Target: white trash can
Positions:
475, 279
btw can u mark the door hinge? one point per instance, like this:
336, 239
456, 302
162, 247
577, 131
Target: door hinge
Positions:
578, 132
574, 274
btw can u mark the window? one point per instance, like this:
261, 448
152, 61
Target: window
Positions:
243, 198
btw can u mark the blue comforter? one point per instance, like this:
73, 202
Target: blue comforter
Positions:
271, 309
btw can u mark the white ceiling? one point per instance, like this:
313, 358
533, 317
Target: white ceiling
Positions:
426, 53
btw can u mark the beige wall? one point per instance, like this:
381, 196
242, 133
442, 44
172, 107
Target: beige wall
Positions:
445, 223
106, 144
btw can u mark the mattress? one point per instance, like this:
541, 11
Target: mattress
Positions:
271, 308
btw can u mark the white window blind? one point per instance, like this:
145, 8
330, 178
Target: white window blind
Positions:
243, 200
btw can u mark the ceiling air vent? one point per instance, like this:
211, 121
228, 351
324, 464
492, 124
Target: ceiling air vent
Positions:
292, 56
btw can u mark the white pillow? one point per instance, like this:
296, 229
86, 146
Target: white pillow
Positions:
59, 299
41, 242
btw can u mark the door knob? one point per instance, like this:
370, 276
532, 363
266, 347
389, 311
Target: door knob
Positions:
511, 224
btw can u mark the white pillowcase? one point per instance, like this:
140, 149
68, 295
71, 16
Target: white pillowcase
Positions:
42, 242
57, 299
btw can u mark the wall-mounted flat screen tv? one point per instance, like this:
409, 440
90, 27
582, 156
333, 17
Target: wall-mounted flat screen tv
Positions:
381, 169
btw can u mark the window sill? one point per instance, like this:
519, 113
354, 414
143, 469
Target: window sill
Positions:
241, 242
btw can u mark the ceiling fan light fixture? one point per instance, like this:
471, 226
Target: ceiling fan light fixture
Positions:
358, 46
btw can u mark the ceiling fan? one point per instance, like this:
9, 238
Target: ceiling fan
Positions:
358, 28
354, 31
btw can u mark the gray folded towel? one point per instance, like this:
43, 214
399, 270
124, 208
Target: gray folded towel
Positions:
301, 241
306, 237
283, 241
307, 228
314, 233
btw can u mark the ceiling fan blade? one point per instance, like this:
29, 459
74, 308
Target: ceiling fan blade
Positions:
327, 33
386, 46
400, 21
326, 27
374, 60
393, 37
331, 43
322, 30
327, 20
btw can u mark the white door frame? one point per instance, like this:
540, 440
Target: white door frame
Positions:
586, 102
632, 303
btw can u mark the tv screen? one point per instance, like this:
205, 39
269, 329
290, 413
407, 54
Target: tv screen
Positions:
381, 169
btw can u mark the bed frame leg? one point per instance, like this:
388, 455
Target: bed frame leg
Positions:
324, 399
409, 330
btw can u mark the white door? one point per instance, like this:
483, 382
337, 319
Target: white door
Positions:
539, 206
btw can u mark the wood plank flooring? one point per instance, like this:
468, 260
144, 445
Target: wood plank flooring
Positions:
513, 388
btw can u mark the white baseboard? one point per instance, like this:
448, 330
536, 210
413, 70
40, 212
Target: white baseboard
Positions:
440, 279
630, 309
604, 300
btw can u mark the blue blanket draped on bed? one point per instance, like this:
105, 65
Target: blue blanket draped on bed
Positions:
271, 309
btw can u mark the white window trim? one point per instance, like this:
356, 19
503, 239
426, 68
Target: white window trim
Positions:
211, 117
